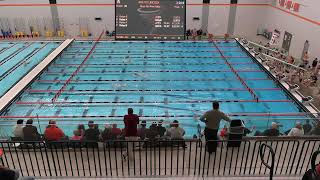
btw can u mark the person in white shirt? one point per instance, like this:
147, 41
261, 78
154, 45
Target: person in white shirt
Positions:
296, 131
175, 132
17, 131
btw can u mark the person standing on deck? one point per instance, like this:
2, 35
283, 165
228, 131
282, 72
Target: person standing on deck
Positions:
212, 119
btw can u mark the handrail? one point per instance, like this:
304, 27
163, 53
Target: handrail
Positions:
261, 152
269, 49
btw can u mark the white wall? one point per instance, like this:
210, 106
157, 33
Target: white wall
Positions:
193, 11
71, 15
25, 13
302, 30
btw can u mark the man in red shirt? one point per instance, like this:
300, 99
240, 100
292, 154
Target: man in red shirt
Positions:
52, 132
131, 122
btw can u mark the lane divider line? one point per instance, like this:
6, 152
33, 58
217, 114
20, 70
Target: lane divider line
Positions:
148, 90
139, 103
238, 76
172, 116
77, 70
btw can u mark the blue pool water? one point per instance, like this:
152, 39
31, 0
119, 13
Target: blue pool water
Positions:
160, 81
18, 58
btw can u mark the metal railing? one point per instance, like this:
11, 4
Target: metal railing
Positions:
158, 158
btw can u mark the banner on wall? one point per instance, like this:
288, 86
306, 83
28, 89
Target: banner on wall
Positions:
275, 37
289, 4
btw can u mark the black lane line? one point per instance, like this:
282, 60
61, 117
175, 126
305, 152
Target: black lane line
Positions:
21, 62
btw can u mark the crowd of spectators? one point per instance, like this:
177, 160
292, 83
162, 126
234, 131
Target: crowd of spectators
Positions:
298, 130
156, 130
306, 75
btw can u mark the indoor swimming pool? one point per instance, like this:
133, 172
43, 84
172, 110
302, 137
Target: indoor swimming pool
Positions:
169, 81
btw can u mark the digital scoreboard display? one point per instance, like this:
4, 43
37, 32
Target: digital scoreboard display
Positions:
150, 19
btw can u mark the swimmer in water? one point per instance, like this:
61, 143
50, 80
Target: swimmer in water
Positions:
119, 85
127, 60
139, 74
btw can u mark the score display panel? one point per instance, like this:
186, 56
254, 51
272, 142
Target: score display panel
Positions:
150, 19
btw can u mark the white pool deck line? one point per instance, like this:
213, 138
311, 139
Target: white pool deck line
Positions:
16, 89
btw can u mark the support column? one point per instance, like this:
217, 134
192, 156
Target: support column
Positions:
205, 16
55, 16
232, 17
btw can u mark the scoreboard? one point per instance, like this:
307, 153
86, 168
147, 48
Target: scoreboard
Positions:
150, 19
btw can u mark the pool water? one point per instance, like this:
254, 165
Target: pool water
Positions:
18, 58
169, 81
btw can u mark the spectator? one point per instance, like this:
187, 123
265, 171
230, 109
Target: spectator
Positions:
307, 127
161, 129
316, 130
91, 134
53, 133
188, 33
314, 63
115, 131
30, 132
273, 131
82, 129
226, 38
18, 129
152, 132
76, 135
224, 132
142, 130
297, 130
212, 119
131, 122
106, 133
175, 132
305, 60
8, 174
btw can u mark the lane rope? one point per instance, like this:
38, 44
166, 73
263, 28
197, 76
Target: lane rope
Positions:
238, 76
53, 100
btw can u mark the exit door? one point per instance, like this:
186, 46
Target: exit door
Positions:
286, 41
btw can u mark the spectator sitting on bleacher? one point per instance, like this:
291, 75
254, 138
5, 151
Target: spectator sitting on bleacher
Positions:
161, 129
76, 135
53, 133
224, 132
18, 129
82, 129
30, 132
273, 131
91, 134
314, 63
175, 132
106, 133
142, 130
115, 131
297, 130
152, 132
316, 130
307, 127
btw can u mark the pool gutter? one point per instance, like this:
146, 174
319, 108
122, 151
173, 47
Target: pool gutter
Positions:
18, 88
296, 96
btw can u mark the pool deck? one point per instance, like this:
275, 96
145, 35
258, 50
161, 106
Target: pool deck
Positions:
16, 89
